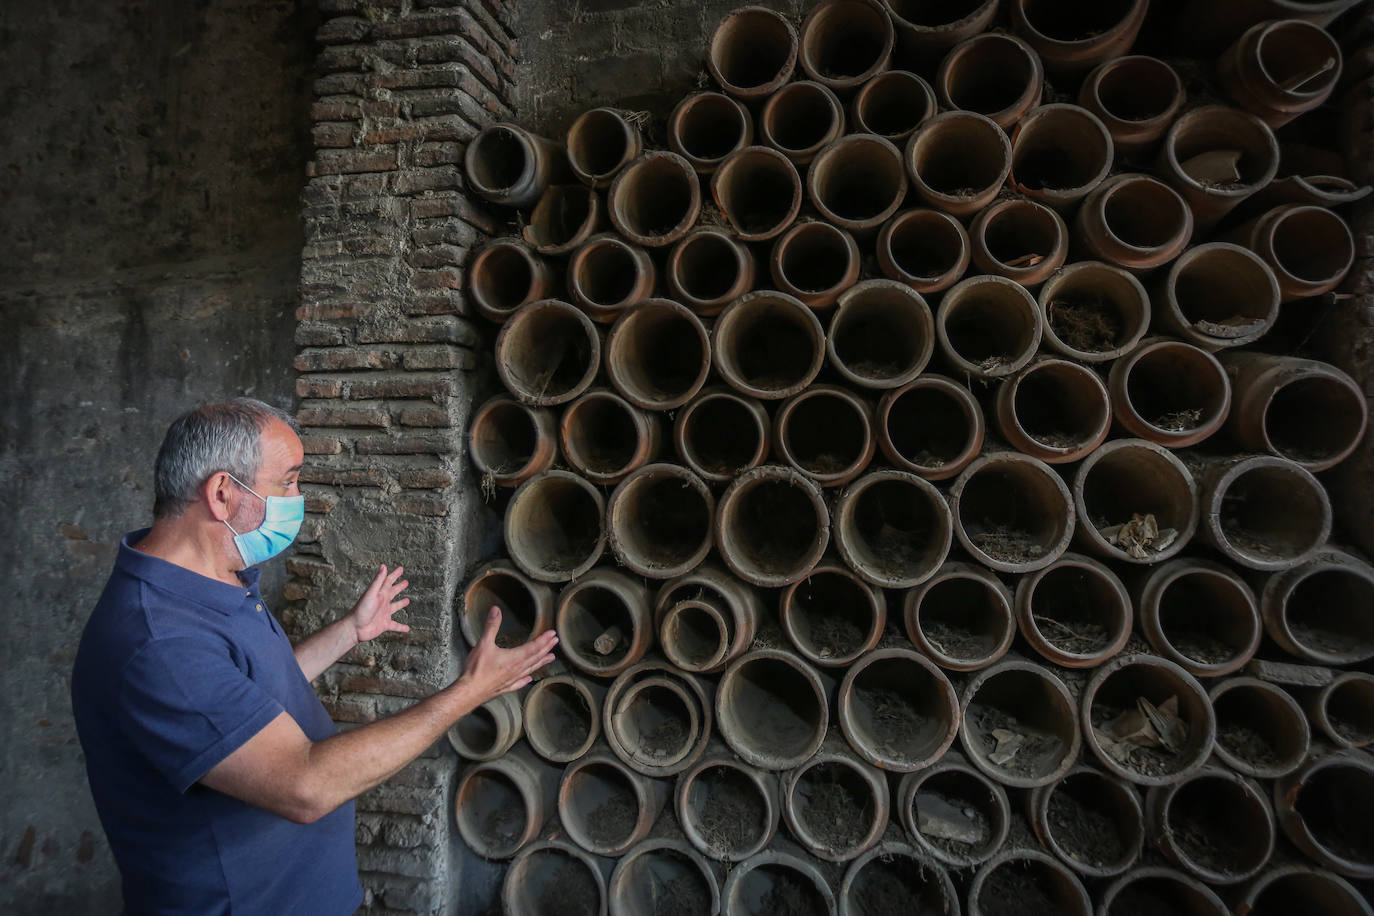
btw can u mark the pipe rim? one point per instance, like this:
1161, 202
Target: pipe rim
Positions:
751, 570
1216, 115
709, 305
483, 299
951, 202
705, 165
1001, 606
1161, 804
555, 573
814, 25
502, 709
1158, 873
759, 306
1132, 133
534, 418
671, 648
781, 860
612, 704
1163, 462
516, 878
1156, 586
579, 271
1136, 309
887, 852
997, 810
623, 877
892, 574
1009, 858
883, 82
780, 165
790, 608
737, 19
1041, 118
506, 132
1132, 839
588, 121
909, 304
503, 768
872, 780
800, 234
690, 454
472, 619
871, 752
537, 737
620, 345
617, 206
620, 528
837, 150
1118, 633
764, 786
1000, 211
789, 95
1263, 557
982, 12
553, 198
1281, 224
1330, 726
1001, 462
898, 268
1096, 208
1013, 423
515, 328
806, 401
739, 738
1266, 31
1066, 52
1250, 898
573, 825
1069, 740
574, 419
957, 58
1277, 594
1127, 413
1275, 695
1287, 794
631, 608
982, 290
966, 405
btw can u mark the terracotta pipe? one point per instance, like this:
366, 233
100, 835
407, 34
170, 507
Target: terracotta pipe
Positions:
961, 617
601, 142
1036, 879
897, 710
500, 805
526, 605
846, 42
547, 353
708, 270
706, 619
1199, 158
658, 354
604, 437
926, 31
1114, 693
720, 433
508, 165
565, 217
658, 865
928, 250
1315, 190
814, 262
510, 442
1310, 249
604, 622
994, 74
932, 427
1087, 795
706, 127
835, 805
752, 52
771, 875
953, 813
1019, 239
768, 345
1279, 70
916, 883
1294, 888
1027, 705
1136, 98
505, 275
607, 276
826, 433
1153, 885
1076, 36
1059, 153
1213, 644
1325, 810
1214, 824
1262, 512
1309, 610
1343, 710
988, 327
892, 105
1054, 410
727, 809
1134, 222
1307, 411
758, 191
489, 730
1136, 501
772, 708
1012, 512
832, 617
658, 521
657, 719
857, 182
1169, 392
1261, 729
554, 526
563, 717
552, 870
958, 161
1214, 25
892, 528
1216, 296
772, 526
1075, 613
655, 199
801, 118
605, 807
882, 335
1094, 312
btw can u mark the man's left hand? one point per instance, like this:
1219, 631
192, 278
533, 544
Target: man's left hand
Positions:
371, 616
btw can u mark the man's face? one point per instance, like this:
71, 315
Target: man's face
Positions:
278, 473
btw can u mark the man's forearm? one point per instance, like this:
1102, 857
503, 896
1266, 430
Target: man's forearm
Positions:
323, 648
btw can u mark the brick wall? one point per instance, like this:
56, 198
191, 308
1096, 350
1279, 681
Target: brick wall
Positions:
386, 354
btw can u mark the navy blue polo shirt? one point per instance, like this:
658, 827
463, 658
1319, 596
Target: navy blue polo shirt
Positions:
175, 672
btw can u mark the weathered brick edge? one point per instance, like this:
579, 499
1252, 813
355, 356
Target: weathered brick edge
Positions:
385, 360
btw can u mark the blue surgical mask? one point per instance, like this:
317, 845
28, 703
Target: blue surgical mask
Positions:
280, 524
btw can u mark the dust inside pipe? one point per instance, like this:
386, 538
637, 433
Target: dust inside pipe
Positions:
547, 352
834, 807
858, 181
608, 274
552, 882
1077, 610
1160, 894
1136, 481
1273, 513
897, 884
512, 596
928, 427
1307, 892
602, 436
1059, 407
880, 336
890, 108
1021, 703
846, 40
1138, 90
1013, 514
1219, 826
1176, 388
1144, 214
560, 214
1121, 692
1314, 419
1313, 245
900, 710
499, 160
558, 718
656, 196
1075, 20
492, 810
659, 354
1091, 320
803, 116
711, 128
556, 525
662, 522
1336, 803
897, 530
697, 638
757, 192
933, 13
773, 709
1251, 728
990, 76
1030, 887
506, 439
825, 434
1207, 618
1331, 612
727, 810
708, 267
926, 245
590, 612
989, 328
1350, 710
663, 882
776, 889
599, 802
1062, 151
1292, 51
832, 615
504, 279
773, 528
722, 436
961, 159
477, 731
750, 49
600, 143
962, 618
1022, 232
656, 725
958, 814
816, 258
1089, 820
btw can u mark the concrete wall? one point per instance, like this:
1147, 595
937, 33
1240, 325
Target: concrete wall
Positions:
150, 181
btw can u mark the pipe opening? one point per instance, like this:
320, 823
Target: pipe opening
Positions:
587, 614
897, 882
722, 437
758, 193
1134, 480
1262, 730
990, 325
1121, 691
1138, 89
894, 104
555, 525
1177, 388
727, 810
963, 618
1306, 892
966, 802
542, 883
816, 258
772, 348
901, 711
1336, 804
926, 245
1093, 821
1313, 244
562, 212
825, 434
772, 526
929, 427
1058, 407
505, 440
708, 266
558, 720
657, 722
1219, 825
599, 143
1290, 51
519, 610
774, 888
1075, 20
500, 160
601, 435
1273, 512
847, 40
607, 274
1021, 231
1144, 213
1096, 309
662, 879
1078, 610
934, 13
831, 616
695, 636
548, 353
662, 522
659, 354
772, 710
858, 179
1013, 512
752, 48
599, 804
656, 196
1160, 893
492, 812
1224, 632
1023, 885
1331, 612
898, 530
990, 74
802, 116
882, 334
1061, 149
712, 127
1026, 703
960, 158
504, 279
1218, 130
477, 732
1350, 710
834, 807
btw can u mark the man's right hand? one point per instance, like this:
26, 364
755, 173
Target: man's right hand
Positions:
491, 671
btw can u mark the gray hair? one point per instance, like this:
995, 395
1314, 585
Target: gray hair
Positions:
204, 441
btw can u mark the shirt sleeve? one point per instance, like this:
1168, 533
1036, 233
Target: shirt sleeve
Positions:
186, 706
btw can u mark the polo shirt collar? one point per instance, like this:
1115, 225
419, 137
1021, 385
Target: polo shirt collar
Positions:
181, 581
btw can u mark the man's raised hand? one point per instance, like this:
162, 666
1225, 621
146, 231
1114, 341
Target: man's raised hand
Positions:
491, 670
371, 616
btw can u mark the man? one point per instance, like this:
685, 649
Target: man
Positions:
221, 782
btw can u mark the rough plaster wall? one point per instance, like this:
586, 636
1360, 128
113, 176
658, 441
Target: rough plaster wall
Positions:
150, 177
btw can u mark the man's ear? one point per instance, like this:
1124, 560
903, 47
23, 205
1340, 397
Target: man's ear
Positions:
220, 495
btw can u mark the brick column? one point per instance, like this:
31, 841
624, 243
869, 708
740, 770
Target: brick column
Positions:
386, 360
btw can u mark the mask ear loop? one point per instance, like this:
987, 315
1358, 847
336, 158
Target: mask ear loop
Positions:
246, 487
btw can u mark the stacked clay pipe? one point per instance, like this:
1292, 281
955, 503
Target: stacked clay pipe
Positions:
915, 454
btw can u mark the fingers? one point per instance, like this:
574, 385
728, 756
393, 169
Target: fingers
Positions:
395, 574
493, 625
